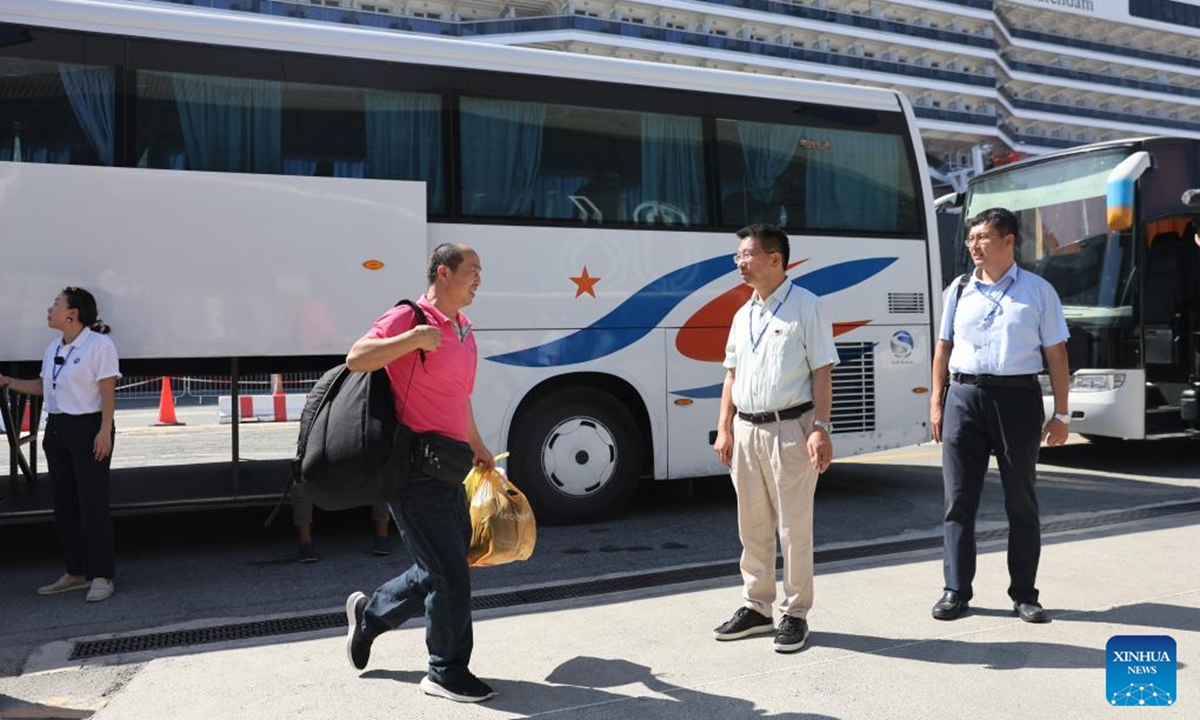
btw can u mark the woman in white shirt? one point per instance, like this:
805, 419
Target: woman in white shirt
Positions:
79, 381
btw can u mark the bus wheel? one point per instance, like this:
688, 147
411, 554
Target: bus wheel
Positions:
576, 455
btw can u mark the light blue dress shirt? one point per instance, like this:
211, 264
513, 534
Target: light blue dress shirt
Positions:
1000, 329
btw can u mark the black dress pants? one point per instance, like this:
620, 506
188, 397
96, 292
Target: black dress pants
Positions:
80, 488
977, 422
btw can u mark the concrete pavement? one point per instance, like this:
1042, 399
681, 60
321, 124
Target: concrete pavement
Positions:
874, 652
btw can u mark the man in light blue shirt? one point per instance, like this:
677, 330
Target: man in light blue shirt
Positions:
997, 322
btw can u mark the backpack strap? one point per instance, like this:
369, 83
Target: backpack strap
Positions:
962, 284
421, 320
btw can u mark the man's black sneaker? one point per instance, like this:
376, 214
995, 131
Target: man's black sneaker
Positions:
745, 622
468, 689
358, 647
791, 635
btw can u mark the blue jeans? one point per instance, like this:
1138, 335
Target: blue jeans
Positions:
435, 526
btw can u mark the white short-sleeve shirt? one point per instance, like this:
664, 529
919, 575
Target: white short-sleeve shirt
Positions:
773, 347
73, 386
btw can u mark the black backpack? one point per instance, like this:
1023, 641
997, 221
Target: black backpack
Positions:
351, 451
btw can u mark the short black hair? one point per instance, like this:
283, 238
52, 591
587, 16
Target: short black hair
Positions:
1003, 220
771, 237
448, 254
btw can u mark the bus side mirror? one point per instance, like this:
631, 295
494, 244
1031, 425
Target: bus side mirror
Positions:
1121, 183
948, 201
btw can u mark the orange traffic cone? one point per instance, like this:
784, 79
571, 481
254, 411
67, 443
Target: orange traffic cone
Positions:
166, 405
25, 419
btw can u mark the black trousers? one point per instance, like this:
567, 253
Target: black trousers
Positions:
976, 422
80, 487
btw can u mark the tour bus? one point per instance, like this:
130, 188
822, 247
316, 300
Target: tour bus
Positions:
246, 192
1109, 225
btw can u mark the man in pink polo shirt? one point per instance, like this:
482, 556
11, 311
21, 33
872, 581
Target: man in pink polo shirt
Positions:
431, 396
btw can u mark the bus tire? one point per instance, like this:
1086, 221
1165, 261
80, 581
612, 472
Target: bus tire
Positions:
577, 456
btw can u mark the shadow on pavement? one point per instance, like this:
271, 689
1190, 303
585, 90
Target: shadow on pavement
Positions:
11, 707
1137, 457
1155, 615
990, 655
578, 687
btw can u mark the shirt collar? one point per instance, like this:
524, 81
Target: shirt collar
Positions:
977, 275
778, 295
79, 339
433, 313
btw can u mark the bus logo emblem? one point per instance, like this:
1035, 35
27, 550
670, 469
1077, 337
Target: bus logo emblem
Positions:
902, 344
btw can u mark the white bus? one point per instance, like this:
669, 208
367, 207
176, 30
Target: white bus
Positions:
246, 190
1109, 226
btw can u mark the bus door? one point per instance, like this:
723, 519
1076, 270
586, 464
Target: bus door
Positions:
1170, 312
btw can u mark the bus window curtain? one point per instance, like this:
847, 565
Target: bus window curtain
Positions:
404, 140
91, 91
31, 151
312, 165
767, 151
501, 156
552, 193
672, 171
853, 182
229, 124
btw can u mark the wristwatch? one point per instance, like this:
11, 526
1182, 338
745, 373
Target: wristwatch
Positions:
1064, 418
826, 426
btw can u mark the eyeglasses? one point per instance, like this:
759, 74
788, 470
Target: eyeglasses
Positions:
747, 257
980, 239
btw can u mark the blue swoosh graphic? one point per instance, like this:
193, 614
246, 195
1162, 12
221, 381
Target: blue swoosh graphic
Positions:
644, 310
833, 278
709, 392
627, 323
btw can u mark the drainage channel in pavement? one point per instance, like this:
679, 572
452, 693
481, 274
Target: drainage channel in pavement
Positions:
565, 591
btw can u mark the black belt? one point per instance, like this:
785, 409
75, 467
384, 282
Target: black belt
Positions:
762, 418
1011, 381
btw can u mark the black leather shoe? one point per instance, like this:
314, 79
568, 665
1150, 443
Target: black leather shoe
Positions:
950, 606
1030, 612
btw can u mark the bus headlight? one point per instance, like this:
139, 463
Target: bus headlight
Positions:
1097, 382
1091, 382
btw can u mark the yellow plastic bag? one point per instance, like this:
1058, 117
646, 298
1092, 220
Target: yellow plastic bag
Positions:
503, 528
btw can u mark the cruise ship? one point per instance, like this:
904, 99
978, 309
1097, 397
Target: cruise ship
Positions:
991, 81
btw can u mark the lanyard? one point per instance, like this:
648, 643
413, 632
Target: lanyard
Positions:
754, 341
996, 309
58, 367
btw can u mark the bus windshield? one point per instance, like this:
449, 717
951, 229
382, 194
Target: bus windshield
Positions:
1064, 235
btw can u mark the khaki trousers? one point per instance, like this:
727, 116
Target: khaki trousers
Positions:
775, 483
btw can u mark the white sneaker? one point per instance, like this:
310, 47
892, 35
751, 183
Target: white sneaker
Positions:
66, 583
102, 589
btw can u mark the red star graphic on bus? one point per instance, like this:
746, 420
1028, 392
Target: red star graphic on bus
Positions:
585, 283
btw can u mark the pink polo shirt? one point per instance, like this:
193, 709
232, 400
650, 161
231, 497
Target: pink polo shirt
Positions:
439, 394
